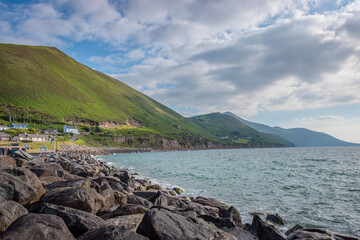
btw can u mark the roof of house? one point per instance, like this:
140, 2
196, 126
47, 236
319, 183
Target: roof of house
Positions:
71, 127
19, 124
2, 134
34, 136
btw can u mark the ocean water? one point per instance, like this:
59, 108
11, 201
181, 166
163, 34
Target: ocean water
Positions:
317, 187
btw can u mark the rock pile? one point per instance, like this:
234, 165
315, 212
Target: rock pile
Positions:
74, 196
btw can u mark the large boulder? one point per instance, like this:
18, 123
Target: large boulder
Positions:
85, 199
133, 199
6, 161
128, 209
160, 223
9, 212
264, 231
311, 234
37, 226
126, 178
111, 233
77, 221
21, 154
275, 218
131, 222
79, 182
213, 203
218, 222
50, 169
20, 185
234, 216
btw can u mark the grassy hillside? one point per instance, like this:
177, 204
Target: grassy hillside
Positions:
233, 131
44, 82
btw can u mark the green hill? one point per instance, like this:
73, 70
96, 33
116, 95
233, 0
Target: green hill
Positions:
55, 85
233, 131
46, 88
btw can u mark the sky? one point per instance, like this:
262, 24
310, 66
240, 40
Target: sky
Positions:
281, 63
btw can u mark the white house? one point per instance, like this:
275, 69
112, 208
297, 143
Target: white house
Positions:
3, 127
71, 129
32, 138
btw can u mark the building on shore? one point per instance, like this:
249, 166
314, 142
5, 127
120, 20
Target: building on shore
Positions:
4, 137
71, 129
18, 125
52, 131
32, 138
4, 127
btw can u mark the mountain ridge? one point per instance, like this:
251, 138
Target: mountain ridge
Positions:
300, 137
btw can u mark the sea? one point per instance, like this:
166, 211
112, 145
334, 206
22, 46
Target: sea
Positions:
315, 187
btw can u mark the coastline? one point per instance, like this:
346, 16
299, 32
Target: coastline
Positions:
117, 202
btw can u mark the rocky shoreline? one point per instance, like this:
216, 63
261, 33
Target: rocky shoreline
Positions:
71, 195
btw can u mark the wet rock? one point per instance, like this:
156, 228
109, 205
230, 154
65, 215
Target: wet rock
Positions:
156, 187
9, 212
128, 209
20, 185
311, 234
102, 186
234, 216
341, 236
275, 218
178, 190
37, 226
111, 233
131, 222
213, 203
218, 222
85, 199
201, 209
147, 195
6, 161
240, 233
293, 229
77, 221
160, 223
264, 231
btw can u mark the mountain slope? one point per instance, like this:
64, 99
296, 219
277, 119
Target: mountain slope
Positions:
47, 81
233, 130
300, 137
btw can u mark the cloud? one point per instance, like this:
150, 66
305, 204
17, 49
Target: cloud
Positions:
205, 55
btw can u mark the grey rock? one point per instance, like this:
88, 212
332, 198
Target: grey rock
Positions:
37, 226
264, 231
9, 212
128, 209
112, 233
85, 199
218, 222
234, 216
133, 199
131, 222
20, 185
77, 221
213, 203
275, 218
311, 234
6, 161
160, 223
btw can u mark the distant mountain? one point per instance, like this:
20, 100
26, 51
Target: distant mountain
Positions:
300, 137
234, 131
